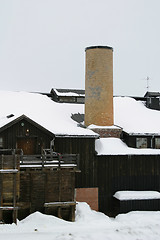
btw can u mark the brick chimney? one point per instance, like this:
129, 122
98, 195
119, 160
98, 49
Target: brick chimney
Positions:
99, 89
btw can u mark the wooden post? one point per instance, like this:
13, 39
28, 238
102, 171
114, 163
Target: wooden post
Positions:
78, 161
14, 191
43, 160
1, 192
72, 212
59, 179
59, 212
15, 215
59, 161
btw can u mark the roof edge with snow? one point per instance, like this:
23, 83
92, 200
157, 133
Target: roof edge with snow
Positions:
22, 117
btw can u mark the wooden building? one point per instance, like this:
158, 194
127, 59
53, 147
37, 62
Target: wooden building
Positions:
68, 95
55, 159
32, 176
153, 100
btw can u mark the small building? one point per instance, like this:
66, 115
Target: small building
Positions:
153, 100
68, 95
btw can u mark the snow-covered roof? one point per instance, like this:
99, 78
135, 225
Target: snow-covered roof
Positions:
115, 146
69, 92
136, 195
55, 117
134, 117
129, 114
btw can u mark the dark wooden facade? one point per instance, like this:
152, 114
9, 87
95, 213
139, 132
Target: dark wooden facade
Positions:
85, 147
23, 133
46, 186
111, 173
126, 206
125, 172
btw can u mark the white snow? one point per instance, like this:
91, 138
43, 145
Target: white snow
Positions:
134, 117
8, 170
92, 126
129, 114
68, 94
55, 117
89, 225
136, 195
115, 146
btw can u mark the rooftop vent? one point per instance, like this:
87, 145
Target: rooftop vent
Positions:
11, 115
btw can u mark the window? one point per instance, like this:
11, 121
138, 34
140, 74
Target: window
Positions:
1, 142
141, 142
157, 142
67, 99
80, 100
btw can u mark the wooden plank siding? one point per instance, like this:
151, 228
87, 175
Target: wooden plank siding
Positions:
138, 205
125, 172
39, 187
20, 130
85, 147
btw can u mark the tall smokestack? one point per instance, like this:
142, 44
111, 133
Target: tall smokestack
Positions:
99, 86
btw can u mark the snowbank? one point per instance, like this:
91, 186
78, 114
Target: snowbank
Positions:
89, 225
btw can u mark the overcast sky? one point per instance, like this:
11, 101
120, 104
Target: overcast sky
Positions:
42, 43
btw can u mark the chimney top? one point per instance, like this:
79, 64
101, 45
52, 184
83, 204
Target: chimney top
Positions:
91, 47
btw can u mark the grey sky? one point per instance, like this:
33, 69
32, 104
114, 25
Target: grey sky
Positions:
42, 43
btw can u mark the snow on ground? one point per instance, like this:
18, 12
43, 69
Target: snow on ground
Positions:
89, 225
115, 146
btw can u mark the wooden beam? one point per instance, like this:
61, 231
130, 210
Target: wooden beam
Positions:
56, 204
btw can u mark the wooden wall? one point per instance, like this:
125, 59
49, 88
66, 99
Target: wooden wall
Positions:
85, 147
125, 172
7, 180
38, 187
19, 129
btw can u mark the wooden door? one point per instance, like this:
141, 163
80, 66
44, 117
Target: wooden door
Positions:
28, 145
